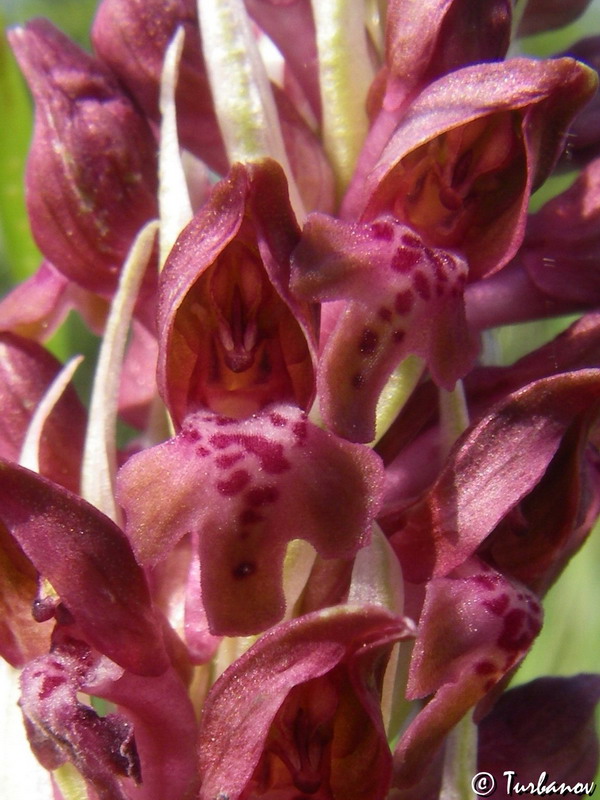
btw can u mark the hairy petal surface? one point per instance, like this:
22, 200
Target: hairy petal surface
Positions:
249, 487
61, 728
402, 297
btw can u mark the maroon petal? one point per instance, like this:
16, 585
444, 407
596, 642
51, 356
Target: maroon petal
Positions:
492, 467
26, 372
232, 338
248, 488
89, 563
132, 36
543, 727
91, 172
546, 15
462, 163
299, 712
562, 245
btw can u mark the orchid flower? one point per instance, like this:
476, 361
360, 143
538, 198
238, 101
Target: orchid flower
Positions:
314, 563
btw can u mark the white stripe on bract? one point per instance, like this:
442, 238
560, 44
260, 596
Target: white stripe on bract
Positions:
30, 450
173, 195
99, 455
241, 90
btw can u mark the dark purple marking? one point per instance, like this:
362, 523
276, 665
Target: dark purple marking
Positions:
421, 285
270, 454
368, 342
235, 484
385, 314
357, 381
398, 335
250, 517
411, 240
278, 420
203, 451
497, 605
244, 570
404, 260
515, 633
261, 496
226, 460
383, 230
403, 302
300, 430
49, 684
223, 440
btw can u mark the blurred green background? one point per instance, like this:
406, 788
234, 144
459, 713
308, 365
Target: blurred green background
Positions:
570, 639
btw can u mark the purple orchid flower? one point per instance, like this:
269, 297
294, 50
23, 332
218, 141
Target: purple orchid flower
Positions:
315, 566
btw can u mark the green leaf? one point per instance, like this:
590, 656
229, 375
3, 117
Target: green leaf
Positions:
20, 255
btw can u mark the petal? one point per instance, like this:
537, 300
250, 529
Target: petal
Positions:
403, 298
91, 172
26, 372
61, 728
248, 488
474, 627
493, 466
546, 726
132, 36
561, 249
462, 163
90, 565
21, 636
231, 336
257, 694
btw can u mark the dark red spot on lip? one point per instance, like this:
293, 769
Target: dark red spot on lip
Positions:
404, 260
50, 683
270, 454
357, 381
244, 570
385, 314
249, 517
403, 302
398, 336
202, 451
261, 495
300, 430
383, 230
497, 605
226, 460
234, 484
421, 285
411, 240
368, 342
278, 420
